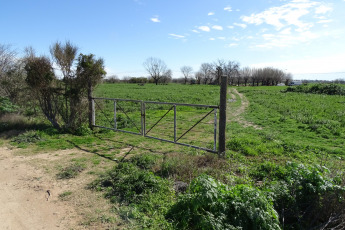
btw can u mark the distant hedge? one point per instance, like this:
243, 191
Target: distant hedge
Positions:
329, 89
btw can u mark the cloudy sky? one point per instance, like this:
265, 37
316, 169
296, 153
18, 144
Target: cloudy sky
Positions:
297, 36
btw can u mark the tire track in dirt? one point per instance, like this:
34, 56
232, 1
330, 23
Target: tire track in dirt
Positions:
234, 115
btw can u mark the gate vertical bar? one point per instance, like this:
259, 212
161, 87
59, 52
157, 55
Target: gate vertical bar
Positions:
143, 118
175, 123
93, 112
222, 115
115, 122
215, 130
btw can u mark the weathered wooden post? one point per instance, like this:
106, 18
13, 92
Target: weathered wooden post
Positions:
222, 115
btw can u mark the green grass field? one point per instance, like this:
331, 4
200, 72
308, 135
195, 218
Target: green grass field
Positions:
284, 148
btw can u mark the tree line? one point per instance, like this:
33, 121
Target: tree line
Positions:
208, 73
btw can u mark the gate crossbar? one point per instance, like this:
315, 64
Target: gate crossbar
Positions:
143, 123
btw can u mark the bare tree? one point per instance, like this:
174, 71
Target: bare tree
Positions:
198, 77
166, 77
218, 70
7, 57
231, 68
12, 74
156, 68
246, 74
187, 72
206, 70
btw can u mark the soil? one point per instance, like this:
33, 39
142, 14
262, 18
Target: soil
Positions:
28, 198
30, 193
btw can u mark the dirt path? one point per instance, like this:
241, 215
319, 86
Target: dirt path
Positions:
25, 202
234, 115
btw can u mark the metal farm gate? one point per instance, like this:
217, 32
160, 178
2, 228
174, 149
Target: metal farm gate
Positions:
183, 124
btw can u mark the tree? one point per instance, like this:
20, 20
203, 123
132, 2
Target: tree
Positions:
187, 72
12, 74
156, 68
7, 57
206, 70
63, 101
218, 70
41, 80
198, 77
230, 70
166, 77
246, 74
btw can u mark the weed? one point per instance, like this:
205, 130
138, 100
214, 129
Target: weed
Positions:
70, 171
210, 204
65, 195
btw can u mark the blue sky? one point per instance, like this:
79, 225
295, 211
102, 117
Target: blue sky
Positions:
298, 36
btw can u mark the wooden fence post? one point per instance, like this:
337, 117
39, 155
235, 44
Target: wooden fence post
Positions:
222, 115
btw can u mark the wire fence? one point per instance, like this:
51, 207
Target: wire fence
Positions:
183, 124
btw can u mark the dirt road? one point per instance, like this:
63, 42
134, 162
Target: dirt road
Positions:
24, 199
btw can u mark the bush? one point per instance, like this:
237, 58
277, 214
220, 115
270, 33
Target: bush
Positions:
148, 196
6, 106
210, 204
144, 161
70, 171
305, 197
27, 138
329, 89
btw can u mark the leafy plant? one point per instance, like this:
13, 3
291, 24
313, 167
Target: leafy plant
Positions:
306, 197
70, 171
27, 138
210, 204
145, 197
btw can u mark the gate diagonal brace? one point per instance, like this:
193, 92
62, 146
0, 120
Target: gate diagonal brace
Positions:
194, 125
110, 121
159, 120
128, 117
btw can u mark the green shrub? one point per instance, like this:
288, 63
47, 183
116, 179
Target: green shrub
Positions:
27, 138
6, 106
144, 161
305, 197
268, 170
329, 89
144, 197
210, 204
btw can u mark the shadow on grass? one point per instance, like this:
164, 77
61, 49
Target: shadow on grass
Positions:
125, 143
100, 155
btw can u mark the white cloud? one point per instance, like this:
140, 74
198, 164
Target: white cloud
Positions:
155, 19
232, 45
241, 25
284, 39
212, 39
204, 28
195, 31
177, 36
215, 27
323, 9
289, 14
231, 27
286, 31
210, 13
325, 21
228, 8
